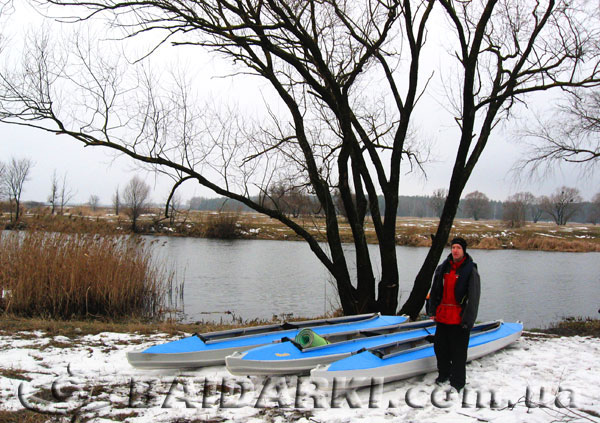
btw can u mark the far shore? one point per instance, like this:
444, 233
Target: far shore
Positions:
411, 231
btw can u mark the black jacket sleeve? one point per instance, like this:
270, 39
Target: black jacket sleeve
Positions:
471, 308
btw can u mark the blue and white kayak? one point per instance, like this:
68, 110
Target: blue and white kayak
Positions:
211, 348
391, 362
290, 357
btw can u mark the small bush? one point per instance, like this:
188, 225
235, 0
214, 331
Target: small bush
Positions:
65, 276
222, 226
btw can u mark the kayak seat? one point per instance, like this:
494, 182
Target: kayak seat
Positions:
201, 337
368, 333
288, 326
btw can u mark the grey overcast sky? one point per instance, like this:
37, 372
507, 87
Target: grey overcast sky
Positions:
97, 171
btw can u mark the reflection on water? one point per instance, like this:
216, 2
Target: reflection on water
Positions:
260, 279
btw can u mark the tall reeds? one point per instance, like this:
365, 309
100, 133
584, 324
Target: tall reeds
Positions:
65, 276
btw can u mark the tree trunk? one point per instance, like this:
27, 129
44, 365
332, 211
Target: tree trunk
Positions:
387, 296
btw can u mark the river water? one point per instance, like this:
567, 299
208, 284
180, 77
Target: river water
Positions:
261, 279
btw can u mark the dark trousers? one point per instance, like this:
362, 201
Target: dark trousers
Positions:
450, 344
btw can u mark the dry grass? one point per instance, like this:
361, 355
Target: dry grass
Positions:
64, 276
25, 416
575, 326
12, 324
12, 373
488, 243
553, 244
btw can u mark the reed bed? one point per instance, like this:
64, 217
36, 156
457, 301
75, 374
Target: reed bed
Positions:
552, 244
67, 276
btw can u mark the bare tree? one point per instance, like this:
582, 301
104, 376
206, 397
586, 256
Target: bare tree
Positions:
2, 172
595, 209
335, 132
16, 173
537, 210
562, 205
65, 194
477, 204
116, 201
516, 208
290, 199
437, 200
135, 200
572, 135
93, 202
54, 188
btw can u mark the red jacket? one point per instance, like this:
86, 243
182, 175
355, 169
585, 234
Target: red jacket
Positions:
449, 310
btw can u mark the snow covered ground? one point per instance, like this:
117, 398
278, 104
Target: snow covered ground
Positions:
537, 379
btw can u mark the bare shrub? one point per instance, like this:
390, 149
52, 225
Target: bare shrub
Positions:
222, 226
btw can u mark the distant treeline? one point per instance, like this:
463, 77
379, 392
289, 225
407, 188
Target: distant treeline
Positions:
408, 206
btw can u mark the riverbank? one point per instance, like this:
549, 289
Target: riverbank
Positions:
417, 232
81, 374
10, 324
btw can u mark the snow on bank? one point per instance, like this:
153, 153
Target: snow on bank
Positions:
536, 379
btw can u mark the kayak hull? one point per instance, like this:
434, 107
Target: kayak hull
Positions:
141, 359
288, 358
236, 365
212, 348
371, 369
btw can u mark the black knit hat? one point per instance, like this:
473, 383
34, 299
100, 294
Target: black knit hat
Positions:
460, 241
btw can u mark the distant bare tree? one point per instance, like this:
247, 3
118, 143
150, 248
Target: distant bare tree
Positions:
135, 200
339, 203
15, 174
65, 194
2, 171
437, 200
289, 199
536, 209
93, 202
595, 209
516, 207
54, 188
116, 201
562, 205
477, 204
